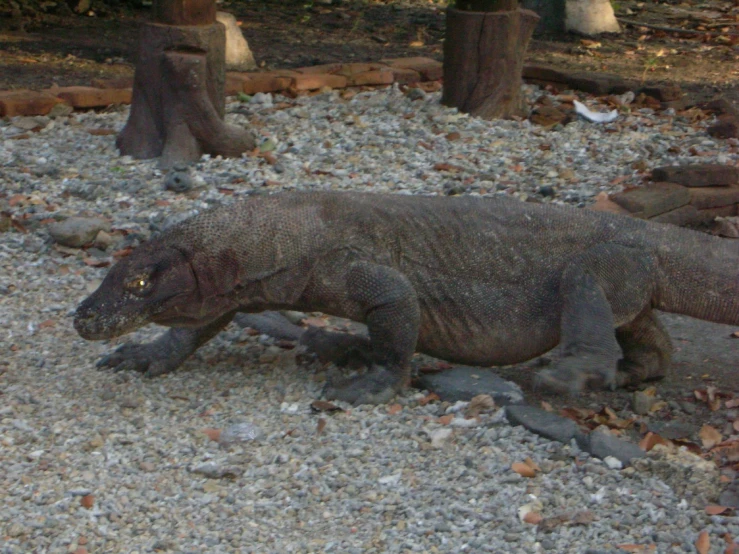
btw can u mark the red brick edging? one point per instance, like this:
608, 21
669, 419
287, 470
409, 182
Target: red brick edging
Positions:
424, 71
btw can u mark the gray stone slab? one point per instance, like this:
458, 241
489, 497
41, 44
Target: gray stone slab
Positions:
464, 383
653, 199
548, 425
602, 445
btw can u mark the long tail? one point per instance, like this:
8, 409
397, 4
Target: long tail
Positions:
699, 275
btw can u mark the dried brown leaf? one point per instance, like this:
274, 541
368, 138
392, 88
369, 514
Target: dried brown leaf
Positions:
714, 510
394, 409
323, 406
533, 518
651, 440
446, 419
320, 426
703, 543
212, 434
430, 397
709, 436
523, 469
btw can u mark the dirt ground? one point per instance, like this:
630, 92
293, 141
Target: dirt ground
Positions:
72, 50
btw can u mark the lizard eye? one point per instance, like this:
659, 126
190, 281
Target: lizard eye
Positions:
140, 285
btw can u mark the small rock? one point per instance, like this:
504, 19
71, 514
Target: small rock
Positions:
263, 98
77, 231
727, 127
103, 240
541, 422
439, 437
30, 123
60, 110
613, 463
603, 445
212, 470
642, 402
239, 432
179, 179
464, 383
729, 498
547, 116
415, 93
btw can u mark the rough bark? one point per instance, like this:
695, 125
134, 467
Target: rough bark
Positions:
179, 97
483, 60
185, 12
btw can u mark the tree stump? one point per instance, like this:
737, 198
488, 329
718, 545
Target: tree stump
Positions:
483, 61
179, 94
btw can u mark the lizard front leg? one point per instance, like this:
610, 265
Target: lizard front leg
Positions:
166, 353
389, 306
602, 288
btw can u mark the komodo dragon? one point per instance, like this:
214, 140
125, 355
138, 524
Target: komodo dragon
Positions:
489, 281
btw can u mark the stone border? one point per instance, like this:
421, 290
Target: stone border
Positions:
702, 196
420, 71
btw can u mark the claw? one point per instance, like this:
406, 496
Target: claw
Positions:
377, 386
559, 382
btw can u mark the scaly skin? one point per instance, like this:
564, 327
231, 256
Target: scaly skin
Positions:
469, 280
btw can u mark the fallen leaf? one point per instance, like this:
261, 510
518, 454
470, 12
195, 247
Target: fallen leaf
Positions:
523, 469
46, 324
651, 440
87, 501
320, 426
454, 135
394, 409
101, 132
323, 406
430, 397
546, 406
212, 434
532, 464
446, 167
735, 334
733, 403
123, 252
703, 543
446, 419
714, 510
533, 518
709, 436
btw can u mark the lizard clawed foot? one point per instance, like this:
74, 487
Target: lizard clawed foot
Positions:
378, 386
136, 357
572, 376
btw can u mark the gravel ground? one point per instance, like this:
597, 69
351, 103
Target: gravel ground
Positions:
97, 462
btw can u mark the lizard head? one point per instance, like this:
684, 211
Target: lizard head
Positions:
146, 287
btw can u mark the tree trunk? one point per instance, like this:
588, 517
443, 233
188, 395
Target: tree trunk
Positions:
483, 60
179, 89
552, 13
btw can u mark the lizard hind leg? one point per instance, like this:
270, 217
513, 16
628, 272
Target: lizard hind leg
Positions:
647, 350
605, 284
